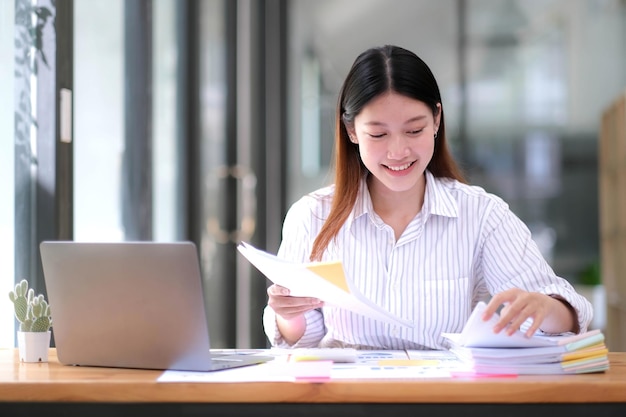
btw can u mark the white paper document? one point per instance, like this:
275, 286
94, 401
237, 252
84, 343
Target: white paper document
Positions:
370, 364
478, 333
411, 364
265, 372
492, 353
323, 280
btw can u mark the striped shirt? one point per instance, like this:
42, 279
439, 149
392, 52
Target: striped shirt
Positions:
463, 245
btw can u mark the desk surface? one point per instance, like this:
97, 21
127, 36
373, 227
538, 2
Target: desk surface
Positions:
53, 382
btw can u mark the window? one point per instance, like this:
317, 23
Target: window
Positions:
100, 144
7, 152
98, 119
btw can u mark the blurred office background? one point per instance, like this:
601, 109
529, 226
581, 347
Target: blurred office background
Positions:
204, 120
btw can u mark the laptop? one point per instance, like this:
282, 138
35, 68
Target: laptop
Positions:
131, 305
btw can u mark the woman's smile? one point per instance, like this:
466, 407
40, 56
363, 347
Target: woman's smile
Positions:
400, 169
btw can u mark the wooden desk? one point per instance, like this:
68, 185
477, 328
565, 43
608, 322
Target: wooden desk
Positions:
51, 388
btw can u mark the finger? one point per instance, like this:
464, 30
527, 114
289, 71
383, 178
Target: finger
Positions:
288, 302
276, 290
301, 308
516, 323
508, 315
494, 304
293, 311
491, 308
537, 320
533, 329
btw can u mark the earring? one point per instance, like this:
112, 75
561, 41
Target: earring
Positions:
436, 133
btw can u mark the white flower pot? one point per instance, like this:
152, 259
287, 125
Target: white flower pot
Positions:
33, 346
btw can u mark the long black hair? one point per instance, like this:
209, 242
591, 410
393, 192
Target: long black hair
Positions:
377, 71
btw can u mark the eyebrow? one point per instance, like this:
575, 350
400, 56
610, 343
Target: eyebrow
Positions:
411, 120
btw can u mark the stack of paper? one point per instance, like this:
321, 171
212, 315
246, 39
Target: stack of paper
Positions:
490, 353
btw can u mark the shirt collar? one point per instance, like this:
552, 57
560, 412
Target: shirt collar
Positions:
438, 200
363, 204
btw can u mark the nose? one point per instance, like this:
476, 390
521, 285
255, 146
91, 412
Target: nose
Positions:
398, 147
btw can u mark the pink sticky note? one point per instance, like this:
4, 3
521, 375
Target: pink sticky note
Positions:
309, 370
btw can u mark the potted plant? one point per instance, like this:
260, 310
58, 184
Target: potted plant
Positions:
33, 313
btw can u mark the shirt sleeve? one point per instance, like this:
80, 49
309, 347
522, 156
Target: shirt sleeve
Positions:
314, 329
296, 246
512, 259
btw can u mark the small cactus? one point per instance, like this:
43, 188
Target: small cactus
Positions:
32, 312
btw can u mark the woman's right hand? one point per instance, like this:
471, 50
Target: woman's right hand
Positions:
289, 307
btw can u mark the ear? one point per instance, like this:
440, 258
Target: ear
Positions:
352, 134
437, 117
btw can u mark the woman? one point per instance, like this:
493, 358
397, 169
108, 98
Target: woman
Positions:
411, 233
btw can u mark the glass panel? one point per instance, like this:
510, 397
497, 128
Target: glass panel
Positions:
7, 152
213, 159
311, 147
539, 74
164, 118
325, 37
534, 115
98, 119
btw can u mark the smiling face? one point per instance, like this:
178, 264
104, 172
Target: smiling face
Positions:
396, 141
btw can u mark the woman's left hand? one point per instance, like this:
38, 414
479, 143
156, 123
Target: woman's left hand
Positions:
520, 305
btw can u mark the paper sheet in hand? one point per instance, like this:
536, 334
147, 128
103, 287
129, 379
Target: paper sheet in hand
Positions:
479, 334
323, 280
497, 353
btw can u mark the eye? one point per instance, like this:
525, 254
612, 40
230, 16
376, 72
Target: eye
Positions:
376, 135
415, 132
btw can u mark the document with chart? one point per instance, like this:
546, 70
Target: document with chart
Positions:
323, 280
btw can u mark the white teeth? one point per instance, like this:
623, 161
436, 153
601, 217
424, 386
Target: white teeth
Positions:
401, 167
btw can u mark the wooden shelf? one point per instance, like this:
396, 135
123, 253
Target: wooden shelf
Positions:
612, 209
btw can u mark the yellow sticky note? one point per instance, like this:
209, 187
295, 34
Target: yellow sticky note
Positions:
331, 272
